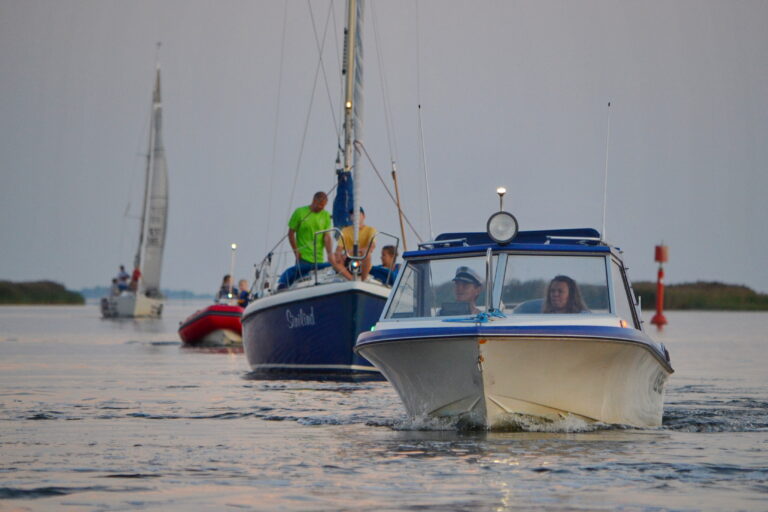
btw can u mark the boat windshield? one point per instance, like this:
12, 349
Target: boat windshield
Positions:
529, 284
443, 287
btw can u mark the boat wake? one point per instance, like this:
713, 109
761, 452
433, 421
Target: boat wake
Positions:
511, 423
732, 415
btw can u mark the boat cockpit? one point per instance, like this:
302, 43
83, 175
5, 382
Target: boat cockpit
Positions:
561, 272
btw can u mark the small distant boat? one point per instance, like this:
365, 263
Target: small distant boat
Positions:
216, 325
146, 300
513, 346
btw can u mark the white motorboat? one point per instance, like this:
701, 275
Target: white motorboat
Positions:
512, 348
145, 300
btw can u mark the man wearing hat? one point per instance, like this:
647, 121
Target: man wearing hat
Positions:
365, 246
466, 287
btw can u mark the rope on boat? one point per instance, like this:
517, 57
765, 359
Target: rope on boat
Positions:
421, 126
480, 318
306, 122
320, 49
373, 166
277, 119
391, 141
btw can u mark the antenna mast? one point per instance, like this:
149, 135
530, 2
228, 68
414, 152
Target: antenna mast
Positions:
605, 181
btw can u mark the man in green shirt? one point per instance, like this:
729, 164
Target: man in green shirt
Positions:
304, 223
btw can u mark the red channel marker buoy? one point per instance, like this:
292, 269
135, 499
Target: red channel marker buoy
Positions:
659, 320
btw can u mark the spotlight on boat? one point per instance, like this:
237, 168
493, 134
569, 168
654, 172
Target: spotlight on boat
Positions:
502, 227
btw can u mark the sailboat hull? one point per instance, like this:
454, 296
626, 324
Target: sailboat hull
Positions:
128, 305
311, 332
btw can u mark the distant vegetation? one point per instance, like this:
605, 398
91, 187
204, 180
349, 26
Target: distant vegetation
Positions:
37, 292
692, 296
97, 292
703, 295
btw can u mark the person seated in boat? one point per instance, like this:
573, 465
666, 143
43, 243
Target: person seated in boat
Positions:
466, 289
387, 271
226, 290
242, 297
134, 284
114, 290
302, 226
563, 297
122, 278
365, 245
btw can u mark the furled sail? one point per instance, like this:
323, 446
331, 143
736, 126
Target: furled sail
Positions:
155, 213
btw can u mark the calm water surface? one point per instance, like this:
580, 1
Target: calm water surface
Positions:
116, 415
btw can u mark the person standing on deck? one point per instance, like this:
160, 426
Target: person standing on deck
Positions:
304, 223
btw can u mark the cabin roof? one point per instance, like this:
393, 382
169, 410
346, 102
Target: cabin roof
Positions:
560, 240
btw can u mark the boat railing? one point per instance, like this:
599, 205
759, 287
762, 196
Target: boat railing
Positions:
434, 244
578, 239
261, 276
362, 256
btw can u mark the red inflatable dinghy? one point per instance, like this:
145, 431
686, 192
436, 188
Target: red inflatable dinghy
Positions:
218, 324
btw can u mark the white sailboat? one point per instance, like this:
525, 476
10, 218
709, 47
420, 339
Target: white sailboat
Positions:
145, 299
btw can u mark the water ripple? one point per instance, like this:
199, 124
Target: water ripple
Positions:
15, 493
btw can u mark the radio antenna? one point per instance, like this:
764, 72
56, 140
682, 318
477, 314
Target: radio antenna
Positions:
605, 180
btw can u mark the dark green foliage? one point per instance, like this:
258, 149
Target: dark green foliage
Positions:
516, 291
703, 295
37, 292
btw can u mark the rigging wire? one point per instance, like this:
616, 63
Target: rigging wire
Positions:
339, 65
132, 176
388, 122
277, 119
386, 188
421, 127
306, 122
384, 89
322, 64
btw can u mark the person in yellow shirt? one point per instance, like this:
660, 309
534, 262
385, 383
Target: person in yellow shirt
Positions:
365, 245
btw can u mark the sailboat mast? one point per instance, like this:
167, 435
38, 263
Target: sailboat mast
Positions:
353, 106
148, 172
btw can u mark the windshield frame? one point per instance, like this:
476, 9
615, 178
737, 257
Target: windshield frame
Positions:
499, 262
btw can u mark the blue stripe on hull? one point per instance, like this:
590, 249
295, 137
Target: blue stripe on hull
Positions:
313, 337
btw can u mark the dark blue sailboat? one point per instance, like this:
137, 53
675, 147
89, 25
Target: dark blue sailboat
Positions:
309, 329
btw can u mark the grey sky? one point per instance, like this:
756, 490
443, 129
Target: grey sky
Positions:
512, 93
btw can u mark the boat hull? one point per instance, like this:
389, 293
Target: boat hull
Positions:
488, 381
311, 333
216, 325
129, 305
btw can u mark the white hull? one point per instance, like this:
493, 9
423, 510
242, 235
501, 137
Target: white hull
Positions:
129, 305
486, 381
221, 337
